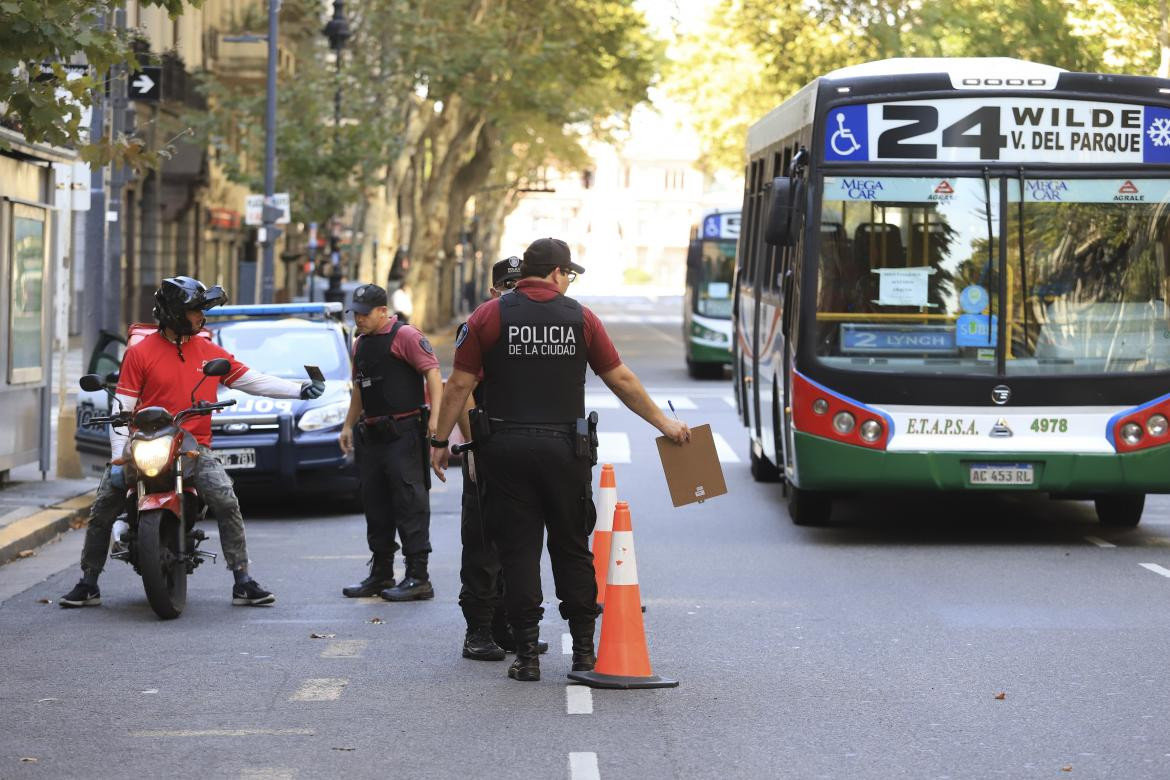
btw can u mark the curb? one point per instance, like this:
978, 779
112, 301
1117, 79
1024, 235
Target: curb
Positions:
38, 528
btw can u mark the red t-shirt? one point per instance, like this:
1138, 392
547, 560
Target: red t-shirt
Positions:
483, 331
153, 374
410, 345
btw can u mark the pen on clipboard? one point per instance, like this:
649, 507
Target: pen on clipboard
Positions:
672, 411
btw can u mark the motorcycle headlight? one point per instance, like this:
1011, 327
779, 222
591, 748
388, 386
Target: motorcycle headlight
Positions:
327, 416
151, 456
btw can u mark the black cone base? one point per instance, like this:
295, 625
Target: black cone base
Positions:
601, 608
598, 680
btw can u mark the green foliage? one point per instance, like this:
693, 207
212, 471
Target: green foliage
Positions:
33, 32
753, 54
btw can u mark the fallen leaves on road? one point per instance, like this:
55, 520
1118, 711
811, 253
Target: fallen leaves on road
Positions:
28, 760
44, 601
1066, 768
1001, 696
377, 621
26, 553
315, 635
42, 701
347, 750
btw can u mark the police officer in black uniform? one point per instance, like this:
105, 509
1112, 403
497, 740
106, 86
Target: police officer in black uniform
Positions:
533, 347
387, 426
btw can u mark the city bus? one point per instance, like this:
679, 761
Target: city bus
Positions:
707, 305
953, 276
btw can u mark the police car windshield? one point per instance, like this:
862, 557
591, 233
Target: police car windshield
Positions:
907, 275
284, 348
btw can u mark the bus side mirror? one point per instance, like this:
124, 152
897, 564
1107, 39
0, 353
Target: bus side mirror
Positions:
785, 211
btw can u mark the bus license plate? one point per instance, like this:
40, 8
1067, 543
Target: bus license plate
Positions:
236, 459
1002, 474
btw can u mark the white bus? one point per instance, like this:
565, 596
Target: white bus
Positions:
707, 305
953, 276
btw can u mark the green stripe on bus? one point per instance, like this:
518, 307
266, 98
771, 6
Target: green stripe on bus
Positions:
700, 353
822, 464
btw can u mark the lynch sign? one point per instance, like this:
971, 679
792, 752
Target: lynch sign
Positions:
1023, 130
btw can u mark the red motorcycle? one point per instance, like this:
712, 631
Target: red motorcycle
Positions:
160, 540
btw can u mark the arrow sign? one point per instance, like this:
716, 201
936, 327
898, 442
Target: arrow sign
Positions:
145, 84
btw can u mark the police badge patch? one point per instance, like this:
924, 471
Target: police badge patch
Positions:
426, 346
461, 335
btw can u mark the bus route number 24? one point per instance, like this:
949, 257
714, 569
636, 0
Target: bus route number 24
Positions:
1050, 425
894, 143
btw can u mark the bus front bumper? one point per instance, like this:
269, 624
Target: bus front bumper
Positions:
827, 465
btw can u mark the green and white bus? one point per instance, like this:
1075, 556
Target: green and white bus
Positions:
953, 275
707, 305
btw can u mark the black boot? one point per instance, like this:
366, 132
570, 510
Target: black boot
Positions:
479, 646
381, 577
526, 667
502, 635
582, 631
415, 586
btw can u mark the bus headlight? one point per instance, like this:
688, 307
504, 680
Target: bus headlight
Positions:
1131, 433
820, 406
703, 332
843, 422
327, 416
871, 430
1157, 425
152, 455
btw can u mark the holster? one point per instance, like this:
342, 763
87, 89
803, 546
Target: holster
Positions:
586, 438
481, 429
425, 448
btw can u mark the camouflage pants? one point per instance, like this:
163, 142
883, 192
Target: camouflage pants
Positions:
215, 488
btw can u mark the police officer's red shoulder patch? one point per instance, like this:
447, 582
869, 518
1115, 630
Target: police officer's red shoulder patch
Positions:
461, 336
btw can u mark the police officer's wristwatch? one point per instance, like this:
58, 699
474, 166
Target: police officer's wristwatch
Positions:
439, 444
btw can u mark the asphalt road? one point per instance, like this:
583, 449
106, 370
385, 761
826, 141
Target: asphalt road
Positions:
917, 637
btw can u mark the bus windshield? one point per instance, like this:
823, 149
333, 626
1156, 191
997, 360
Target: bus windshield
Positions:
713, 285
908, 271
1090, 297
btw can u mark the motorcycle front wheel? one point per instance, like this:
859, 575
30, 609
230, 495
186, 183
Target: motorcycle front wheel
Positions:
164, 572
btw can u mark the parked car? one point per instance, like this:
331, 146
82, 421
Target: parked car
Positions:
267, 444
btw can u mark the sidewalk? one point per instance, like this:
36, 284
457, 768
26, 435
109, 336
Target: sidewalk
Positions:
35, 510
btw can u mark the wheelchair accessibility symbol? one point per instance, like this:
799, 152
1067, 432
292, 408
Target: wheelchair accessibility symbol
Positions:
842, 141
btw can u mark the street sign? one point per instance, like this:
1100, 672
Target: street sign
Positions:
145, 85
254, 209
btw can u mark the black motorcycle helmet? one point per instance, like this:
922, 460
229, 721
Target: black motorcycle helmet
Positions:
181, 294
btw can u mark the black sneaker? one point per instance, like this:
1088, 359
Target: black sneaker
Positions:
82, 595
410, 589
250, 594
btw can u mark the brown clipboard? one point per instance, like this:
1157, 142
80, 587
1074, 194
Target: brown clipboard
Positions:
692, 470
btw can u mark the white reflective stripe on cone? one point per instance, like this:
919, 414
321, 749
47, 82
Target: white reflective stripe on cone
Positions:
606, 502
623, 565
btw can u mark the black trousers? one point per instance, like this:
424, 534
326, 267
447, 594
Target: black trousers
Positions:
535, 481
482, 587
394, 491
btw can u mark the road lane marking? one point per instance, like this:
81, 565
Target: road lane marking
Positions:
271, 773
583, 766
724, 450
579, 699
227, 733
1099, 542
345, 648
566, 644
320, 689
601, 401
613, 448
680, 402
729, 400
1156, 569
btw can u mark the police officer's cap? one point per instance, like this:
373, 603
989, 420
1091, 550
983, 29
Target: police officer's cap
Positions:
506, 271
367, 298
544, 254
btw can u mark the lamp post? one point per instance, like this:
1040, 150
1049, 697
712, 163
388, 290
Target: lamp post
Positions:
337, 31
268, 240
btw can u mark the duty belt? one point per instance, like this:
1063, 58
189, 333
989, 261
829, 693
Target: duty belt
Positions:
536, 428
403, 417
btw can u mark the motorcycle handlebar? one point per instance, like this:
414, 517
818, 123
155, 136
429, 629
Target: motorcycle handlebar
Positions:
124, 418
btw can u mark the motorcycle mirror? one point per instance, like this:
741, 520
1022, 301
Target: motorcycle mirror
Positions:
90, 383
217, 367
112, 377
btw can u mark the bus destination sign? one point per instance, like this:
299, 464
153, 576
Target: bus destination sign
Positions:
1017, 130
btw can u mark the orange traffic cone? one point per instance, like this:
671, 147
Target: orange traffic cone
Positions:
622, 658
606, 501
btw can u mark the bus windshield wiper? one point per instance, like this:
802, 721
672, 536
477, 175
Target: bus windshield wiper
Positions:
1023, 259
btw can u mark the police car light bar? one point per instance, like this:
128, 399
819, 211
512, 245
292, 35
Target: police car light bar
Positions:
330, 309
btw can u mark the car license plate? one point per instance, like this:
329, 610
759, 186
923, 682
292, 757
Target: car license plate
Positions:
1002, 474
236, 459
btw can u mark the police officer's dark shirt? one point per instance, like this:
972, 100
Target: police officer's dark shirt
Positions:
409, 346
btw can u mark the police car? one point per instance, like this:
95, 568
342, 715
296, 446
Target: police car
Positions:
266, 444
